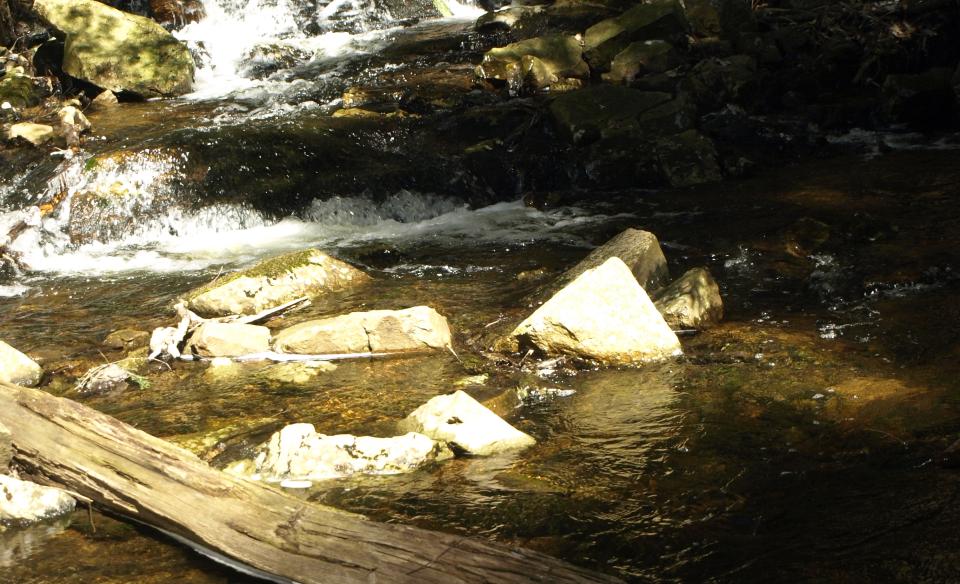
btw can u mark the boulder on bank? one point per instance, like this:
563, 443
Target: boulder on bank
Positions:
273, 282
298, 453
420, 328
118, 51
547, 62
15, 367
603, 315
127, 339
656, 19
25, 502
691, 302
465, 424
228, 339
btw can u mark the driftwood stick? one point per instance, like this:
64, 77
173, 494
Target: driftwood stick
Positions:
250, 526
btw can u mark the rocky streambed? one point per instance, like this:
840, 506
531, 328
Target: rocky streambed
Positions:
468, 166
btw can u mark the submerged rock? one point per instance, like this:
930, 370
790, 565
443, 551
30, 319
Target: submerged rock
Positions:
299, 453
228, 339
925, 100
119, 51
691, 302
536, 64
274, 282
466, 425
379, 331
603, 315
127, 339
25, 502
15, 367
656, 19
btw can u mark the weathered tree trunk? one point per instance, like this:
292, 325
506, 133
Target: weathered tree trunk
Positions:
62, 443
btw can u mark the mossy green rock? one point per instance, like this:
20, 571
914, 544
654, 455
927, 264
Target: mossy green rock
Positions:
688, 158
118, 51
19, 91
659, 19
273, 282
641, 58
536, 63
594, 112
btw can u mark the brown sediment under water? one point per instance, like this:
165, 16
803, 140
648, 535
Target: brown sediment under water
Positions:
801, 440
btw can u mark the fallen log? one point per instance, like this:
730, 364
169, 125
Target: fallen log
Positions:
255, 528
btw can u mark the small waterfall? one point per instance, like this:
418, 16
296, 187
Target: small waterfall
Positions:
241, 42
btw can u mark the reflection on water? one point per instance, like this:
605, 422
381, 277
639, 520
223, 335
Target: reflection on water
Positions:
17, 545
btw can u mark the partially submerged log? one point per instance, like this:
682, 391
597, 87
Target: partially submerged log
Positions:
253, 527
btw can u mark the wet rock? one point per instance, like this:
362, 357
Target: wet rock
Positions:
72, 124
35, 134
641, 58
175, 14
419, 328
127, 339
25, 502
118, 51
466, 425
924, 100
704, 17
298, 453
228, 339
603, 315
298, 373
688, 158
717, 81
691, 302
104, 100
15, 367
588, 114
658, 19
274, 282
263, 60
639, 250
536, 64
519, 22
805, 236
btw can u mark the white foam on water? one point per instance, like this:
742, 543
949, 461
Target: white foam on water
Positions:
232, 234
225, 37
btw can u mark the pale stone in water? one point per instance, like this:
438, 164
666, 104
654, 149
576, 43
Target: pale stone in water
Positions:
35, 134
223, 339
465, 423
379, 331
603, 315
274, 282
691, 302
15, 367
639, 250
22, 501
298, 453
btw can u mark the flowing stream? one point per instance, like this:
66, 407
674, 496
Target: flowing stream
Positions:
800, 441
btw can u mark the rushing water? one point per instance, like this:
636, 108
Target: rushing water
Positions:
800, 441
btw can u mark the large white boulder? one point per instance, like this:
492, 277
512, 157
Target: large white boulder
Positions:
274, 282
15, 367
691, 302
298, 453
603, 315
228, 339
465, 424
420, 328
22, 501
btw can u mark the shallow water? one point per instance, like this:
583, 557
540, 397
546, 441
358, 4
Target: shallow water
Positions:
770, 452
